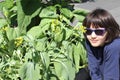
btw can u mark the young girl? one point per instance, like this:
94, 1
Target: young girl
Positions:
103, 45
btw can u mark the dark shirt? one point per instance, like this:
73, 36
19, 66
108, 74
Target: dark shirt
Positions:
104, 62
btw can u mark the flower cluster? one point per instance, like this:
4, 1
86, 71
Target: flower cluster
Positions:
82, 29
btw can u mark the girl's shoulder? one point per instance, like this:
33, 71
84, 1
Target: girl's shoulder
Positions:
115, 44
113, 48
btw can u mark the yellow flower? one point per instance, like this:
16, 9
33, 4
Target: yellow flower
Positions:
82, 29
54, 24
18, 41
4, 28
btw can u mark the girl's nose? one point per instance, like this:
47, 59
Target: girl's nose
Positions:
93, 35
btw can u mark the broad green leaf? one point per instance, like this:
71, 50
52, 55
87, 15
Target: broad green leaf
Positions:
28, 56
64, 19
25, 14
41, 44
58, 37
45, 60
62, 70
3, 23
66, 12
12, 33
29, 71
35, 32
1, 5
83, 55
65, 44
79, 17
51, 45
45, 21
58, 69
7, 4
49, 12
68, 32
77, 53
81, 12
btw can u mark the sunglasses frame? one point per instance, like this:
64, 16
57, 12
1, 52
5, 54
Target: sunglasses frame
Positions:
95, 31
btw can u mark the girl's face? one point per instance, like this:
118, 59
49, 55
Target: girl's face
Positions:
96, 36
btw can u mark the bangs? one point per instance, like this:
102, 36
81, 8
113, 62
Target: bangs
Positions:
95, 22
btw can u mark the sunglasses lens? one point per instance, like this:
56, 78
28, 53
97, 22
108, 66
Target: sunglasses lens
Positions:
97, 31
88, 32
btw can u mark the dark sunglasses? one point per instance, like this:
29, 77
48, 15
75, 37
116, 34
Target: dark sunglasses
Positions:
99, 32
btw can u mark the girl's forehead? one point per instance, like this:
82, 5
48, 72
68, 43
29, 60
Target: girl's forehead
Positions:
95, 26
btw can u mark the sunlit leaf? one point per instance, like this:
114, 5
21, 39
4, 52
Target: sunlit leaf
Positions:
29, 71
49, 12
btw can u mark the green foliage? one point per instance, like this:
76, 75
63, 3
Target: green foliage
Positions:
38, 43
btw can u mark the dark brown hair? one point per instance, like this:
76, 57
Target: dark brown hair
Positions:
102, 18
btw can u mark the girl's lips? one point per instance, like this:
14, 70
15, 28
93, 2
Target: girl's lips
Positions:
94, 41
